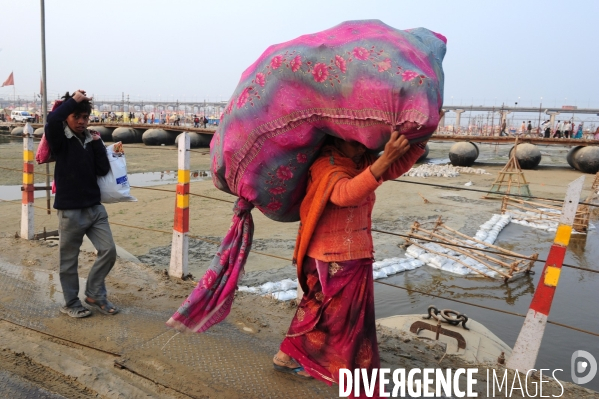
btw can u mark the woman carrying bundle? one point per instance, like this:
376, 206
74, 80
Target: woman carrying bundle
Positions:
334, 326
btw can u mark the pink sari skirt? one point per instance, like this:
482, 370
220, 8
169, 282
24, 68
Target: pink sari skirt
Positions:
334, 326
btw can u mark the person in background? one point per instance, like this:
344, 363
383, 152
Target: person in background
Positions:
566, 129
523, 128
503, 127
597, 133
529, 129
334, 325
80, 158
579, 131
546, 126
558, 130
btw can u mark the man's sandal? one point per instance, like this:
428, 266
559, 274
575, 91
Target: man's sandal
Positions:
103, 306
76, 313
289, 370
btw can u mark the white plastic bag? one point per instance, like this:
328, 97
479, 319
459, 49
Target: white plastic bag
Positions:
114, 187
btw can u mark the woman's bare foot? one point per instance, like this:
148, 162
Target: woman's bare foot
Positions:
284, 360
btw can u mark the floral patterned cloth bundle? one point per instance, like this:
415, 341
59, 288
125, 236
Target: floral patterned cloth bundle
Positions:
357, 81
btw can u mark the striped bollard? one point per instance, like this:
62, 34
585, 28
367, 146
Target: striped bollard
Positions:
180, 247
527, 345
27, 225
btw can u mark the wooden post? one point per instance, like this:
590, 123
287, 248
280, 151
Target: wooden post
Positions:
27, 224
180, 246
527, 345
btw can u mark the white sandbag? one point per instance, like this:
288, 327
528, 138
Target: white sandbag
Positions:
377, 274
253, 290
288, 284
480, 235
435, 247
457, 268
438, 261
388, 270
413, 264
381, 264
414, 252
268, 287
399, 267
425, 257
114, 186
284, 295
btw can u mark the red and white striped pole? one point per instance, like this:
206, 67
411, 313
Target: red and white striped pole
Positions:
527, 345
180, 247
27, 224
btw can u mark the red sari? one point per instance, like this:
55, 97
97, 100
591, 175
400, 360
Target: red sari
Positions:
334, 325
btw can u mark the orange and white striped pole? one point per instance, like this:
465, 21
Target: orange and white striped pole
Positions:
180, 247
27, 224
527, 345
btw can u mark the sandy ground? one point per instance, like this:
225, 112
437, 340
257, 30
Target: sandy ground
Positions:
397, 206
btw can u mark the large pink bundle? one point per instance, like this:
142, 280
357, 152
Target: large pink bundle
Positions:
357, 81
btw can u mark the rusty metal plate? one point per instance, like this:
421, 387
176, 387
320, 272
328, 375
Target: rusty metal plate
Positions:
222, 360
15, 387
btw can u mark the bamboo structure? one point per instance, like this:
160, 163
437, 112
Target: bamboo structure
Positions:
504, 264
546, 211
583, 212
510, 178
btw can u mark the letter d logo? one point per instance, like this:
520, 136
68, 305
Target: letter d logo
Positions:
581, 366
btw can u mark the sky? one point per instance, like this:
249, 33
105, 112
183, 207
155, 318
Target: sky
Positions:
497, 52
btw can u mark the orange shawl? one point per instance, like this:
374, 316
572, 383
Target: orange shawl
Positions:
325, 172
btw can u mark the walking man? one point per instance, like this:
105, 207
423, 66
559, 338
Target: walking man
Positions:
547, 129
503, 127
80, 158
566, 129
558, 130
529, 129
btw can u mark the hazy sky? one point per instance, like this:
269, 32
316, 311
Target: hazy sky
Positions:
497, 51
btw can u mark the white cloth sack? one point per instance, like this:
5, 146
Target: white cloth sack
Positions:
114, 187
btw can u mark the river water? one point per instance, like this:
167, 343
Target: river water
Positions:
575, 301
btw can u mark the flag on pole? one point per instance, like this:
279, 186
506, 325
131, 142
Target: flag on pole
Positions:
9, 82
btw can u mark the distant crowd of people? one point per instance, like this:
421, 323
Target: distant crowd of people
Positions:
568, 129
565, 129
173, 119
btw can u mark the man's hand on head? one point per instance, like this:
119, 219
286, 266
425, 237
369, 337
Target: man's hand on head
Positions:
79, 96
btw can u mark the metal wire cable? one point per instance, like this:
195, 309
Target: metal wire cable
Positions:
379, 282
198, 238
481, 249
19, 202
484, 191
375, 230
388, 284
21, 171
484, 307
192, 194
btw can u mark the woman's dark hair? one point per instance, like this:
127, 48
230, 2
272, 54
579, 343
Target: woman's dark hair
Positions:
84, 107
329, 140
